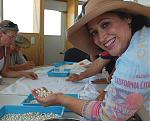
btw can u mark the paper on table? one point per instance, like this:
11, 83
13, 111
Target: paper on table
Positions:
23, 86
55, 84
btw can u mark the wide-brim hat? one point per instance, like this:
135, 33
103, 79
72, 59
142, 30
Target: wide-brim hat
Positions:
78, 33
22, 42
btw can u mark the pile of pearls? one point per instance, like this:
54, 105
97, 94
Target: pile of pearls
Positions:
43, 93
33, 101
40, 92
31, 116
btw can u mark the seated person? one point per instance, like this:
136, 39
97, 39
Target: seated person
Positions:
8, 32
75, 55
114, 26
17, 60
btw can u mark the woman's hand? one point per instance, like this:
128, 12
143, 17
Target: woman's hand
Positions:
30, 75
50, 99
73, 77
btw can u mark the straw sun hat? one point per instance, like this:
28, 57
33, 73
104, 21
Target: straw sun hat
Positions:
78, 34
22, 41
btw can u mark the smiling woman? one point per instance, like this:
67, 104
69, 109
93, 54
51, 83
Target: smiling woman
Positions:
105, 33
113, 26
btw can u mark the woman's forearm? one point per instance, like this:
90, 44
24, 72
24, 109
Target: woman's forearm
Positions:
73, 104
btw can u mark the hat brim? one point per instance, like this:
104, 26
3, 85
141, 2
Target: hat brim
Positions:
78, 34
23, 46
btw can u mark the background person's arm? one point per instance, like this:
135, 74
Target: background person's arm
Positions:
20, 62
6, 72
94, 68
16, 74
24, 66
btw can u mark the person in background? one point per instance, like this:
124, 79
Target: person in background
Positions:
75, 55
17, 59
8, 33
122, 29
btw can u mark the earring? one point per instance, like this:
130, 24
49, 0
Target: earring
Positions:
129, 20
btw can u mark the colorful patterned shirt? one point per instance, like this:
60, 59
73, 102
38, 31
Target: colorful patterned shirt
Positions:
130, 84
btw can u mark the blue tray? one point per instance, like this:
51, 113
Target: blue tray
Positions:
58, 73
30, 97
61, 63
25, 109
28, 100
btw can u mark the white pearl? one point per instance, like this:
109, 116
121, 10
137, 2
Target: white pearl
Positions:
31, 116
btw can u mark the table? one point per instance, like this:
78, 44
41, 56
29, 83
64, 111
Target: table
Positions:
16, 99
13, 99
6, 82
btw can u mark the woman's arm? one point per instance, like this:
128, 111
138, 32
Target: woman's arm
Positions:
118, 104
73, 104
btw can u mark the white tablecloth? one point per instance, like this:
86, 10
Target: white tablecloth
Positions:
23, 86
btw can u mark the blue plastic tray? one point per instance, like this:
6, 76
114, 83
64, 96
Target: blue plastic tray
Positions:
61, 63
25, 109
28, 100
30, 97
58, 73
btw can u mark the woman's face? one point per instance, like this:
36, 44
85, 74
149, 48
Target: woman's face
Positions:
111, 33
7, 38
15, 48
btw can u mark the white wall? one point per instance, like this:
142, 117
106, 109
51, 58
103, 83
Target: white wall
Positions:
55, 5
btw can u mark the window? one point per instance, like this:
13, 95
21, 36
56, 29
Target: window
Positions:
144, 2
20, 12
79, 9
52, 22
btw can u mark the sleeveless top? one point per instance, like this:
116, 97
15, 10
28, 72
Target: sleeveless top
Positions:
1, 63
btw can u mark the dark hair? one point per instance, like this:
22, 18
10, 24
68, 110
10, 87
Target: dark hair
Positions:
8, 25
138, 21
